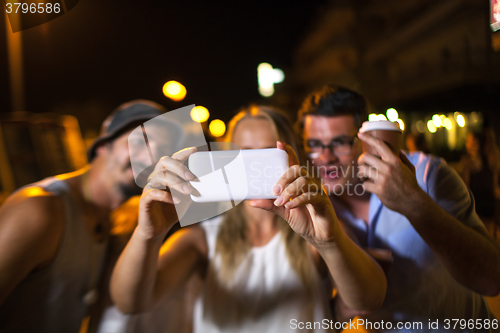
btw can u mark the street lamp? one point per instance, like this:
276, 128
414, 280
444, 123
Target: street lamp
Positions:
174, 90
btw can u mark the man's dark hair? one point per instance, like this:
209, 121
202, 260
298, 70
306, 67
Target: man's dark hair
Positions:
331, 101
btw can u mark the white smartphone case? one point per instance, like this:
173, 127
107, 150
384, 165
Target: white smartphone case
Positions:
236, 175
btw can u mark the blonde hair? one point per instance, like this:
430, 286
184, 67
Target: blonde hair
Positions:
232, 243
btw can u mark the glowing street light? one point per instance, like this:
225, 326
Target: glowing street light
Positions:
447, 124
436, 120
442, 118
401, 124
200, 114
392, 114
267, 77
431, 127
217, 128
174, 90
376, 117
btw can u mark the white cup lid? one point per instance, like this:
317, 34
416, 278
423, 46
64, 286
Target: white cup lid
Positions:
384, 125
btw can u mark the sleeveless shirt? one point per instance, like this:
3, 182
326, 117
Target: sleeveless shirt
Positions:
52, 299
266, 294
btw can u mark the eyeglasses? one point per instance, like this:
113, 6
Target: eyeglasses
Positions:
338, 146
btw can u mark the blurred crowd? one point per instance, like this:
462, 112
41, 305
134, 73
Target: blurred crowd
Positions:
479, 167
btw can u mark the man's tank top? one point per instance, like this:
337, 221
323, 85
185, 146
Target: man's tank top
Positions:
55, 299
266, 295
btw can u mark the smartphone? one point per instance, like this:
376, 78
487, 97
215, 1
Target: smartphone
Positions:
236, 175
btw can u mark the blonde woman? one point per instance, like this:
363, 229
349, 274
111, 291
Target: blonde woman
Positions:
263, 264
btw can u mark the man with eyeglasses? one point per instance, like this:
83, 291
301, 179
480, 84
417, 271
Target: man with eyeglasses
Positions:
331, 174
413, 213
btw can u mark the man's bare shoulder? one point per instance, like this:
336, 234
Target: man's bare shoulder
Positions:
32, 210
33, 198
31, 226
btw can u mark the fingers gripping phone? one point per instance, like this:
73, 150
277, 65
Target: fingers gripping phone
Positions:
236, 175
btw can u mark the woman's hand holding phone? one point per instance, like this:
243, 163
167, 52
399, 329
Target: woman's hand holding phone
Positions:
303, 204
166, 196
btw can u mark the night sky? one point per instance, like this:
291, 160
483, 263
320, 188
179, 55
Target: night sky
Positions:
103, 53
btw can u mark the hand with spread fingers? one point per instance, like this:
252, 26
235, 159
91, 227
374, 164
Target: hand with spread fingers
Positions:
166, 196
302, 203
391, 177
467, 250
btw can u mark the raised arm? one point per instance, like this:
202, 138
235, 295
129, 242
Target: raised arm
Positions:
466, 250
148, 272
30, 230
360, 281
143, 273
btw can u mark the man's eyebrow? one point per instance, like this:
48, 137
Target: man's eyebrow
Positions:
343, 136
337, 138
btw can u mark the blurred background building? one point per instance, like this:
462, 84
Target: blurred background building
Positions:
35, 146
420, 57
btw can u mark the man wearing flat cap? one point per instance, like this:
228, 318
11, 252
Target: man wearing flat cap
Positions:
54, 233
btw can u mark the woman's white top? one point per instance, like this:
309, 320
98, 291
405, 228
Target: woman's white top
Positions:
266, 294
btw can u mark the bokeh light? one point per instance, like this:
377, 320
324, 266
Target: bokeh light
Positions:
401, 124
420, 126
392, 114
460, 120
448, 124
474, 117
376, 117
200, 114
431, 127
217, 128
267, 77
442, 117
174, 90
436, 120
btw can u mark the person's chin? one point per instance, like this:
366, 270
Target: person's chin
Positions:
129, 187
